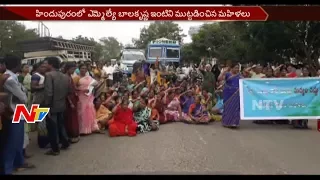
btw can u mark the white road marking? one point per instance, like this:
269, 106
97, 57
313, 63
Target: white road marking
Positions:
201, 138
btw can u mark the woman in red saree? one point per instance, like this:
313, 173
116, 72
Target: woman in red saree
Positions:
71, 115
123, 123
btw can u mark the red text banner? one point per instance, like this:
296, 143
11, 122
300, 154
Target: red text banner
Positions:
142, 13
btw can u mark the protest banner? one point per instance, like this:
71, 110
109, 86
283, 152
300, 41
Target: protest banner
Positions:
279, 98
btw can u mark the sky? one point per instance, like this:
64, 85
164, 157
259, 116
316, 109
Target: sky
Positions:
123, 31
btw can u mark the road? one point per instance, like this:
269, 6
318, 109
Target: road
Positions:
179, 148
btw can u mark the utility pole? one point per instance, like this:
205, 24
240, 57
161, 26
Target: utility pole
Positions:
43, 30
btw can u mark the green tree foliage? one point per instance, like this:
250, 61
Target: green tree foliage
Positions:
111, 48
108, 48
156, 30
12, 32
188, 55
258, 42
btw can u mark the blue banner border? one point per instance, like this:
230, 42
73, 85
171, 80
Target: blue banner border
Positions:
242, 117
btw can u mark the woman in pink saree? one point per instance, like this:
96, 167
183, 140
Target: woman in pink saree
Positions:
85, 107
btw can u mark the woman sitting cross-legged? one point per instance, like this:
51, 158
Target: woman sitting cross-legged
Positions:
198, 113
173, 112
123, 123
142, 116
103, 115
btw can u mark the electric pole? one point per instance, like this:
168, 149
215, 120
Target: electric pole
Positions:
43, 30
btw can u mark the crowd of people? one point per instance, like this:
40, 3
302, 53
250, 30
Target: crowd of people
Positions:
86, 99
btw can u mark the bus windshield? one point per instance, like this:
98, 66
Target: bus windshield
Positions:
173, 53
133, 56
155, 52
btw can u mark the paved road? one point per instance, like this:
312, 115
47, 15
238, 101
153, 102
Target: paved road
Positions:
178, 148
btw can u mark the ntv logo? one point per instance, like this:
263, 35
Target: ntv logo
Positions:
266, 104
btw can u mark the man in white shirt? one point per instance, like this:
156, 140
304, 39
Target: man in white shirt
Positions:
117, 72
186, 70
108, 70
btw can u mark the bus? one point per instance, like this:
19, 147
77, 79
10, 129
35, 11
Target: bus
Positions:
168, 51
37, 50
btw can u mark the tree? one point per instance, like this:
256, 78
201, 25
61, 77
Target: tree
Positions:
97, 54
188, 55
111, 48
12, 32
156, 30
260, 42
129, 45
107, 48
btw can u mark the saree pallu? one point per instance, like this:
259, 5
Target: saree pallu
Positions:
71, 115
71, 118
28, 127
43, 139
100, 89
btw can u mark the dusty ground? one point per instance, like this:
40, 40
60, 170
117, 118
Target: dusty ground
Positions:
178, 148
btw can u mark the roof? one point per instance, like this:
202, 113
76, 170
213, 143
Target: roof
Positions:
49, 43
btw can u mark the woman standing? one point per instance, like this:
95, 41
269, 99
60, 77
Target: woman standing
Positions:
231, 98
97, 71
37, 88
25, 79
71, 115
85, 107
101, 87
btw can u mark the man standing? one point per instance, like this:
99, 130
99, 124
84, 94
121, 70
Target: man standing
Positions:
108, 70
117, 73
56, 88
12, 135
209, 80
